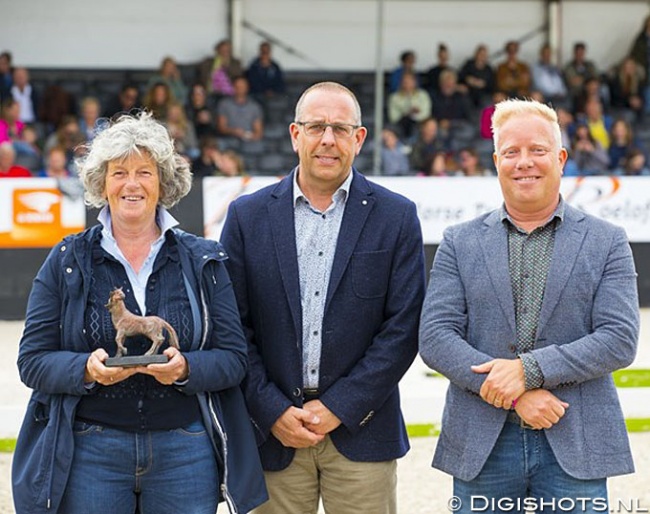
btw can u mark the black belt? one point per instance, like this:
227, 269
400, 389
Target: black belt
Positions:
309, 394
513, 417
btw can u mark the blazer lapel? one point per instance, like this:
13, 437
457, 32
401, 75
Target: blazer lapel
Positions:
494, 242
281, 216
357, 208
568, 240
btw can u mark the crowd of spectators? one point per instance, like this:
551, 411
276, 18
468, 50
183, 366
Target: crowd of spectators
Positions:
441, 117
211, 119
437, 121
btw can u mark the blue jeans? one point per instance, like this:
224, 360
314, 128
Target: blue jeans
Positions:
522, 472
160, 472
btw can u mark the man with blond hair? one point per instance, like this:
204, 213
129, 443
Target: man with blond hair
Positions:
529, 310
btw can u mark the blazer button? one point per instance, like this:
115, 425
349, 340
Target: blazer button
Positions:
512, 348
297, 392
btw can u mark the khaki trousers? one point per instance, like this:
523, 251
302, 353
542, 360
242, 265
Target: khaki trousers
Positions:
346, 487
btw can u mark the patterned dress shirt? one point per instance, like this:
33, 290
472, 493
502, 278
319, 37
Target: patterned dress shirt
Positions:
316, 236
529, 259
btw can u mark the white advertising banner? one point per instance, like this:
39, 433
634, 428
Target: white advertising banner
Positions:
441, 202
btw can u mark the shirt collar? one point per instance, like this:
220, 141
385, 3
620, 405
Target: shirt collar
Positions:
557, 213
163, 219
342, 192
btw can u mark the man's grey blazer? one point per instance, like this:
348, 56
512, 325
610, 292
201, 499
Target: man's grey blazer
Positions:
588, 327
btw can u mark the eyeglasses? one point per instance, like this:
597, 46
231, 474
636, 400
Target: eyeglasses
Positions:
316, 129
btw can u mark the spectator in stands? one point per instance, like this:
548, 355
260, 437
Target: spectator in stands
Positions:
126, 100
55, 164
6, 75
408, 106
426, 145
590, 157
8, 168
634, 164
437, 165
469, 164
57, 104
23, 92
157, 100
407, 65
478, 77
593, 88
90, 110
11, 128
599, 123
209, 159
170, 74
240, 116
231, 164
513, 75
182, 131
432, 77
621, 141
452, 109
640, 52
201, 112
567, 126
394, 158
68, 136
548, 78
578, 71
626, 89
28, 150
486, 115
264, 75
219, 72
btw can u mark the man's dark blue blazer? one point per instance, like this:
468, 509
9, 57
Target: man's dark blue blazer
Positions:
370, 323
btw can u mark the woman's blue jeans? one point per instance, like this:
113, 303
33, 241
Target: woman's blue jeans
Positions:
160, 472
522, 472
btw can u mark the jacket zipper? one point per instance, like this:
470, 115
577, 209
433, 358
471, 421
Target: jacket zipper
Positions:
222, 434
54, 445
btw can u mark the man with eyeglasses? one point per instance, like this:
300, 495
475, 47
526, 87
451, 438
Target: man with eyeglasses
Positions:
328, 269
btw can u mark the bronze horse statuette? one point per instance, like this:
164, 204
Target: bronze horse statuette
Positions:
129, 324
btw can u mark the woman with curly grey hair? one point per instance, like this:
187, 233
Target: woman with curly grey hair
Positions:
165, 437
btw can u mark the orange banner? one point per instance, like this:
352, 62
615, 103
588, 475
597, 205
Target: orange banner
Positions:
35, 214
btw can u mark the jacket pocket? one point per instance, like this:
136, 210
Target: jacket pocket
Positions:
370, 272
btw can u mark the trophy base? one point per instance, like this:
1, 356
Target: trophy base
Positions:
135, 360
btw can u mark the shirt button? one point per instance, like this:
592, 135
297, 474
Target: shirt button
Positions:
316, 293
63, 248
312, 371
315, 332
324, 216
68, 270
364, 202
320, 254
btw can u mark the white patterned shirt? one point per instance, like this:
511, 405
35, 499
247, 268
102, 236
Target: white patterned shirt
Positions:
316, 236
